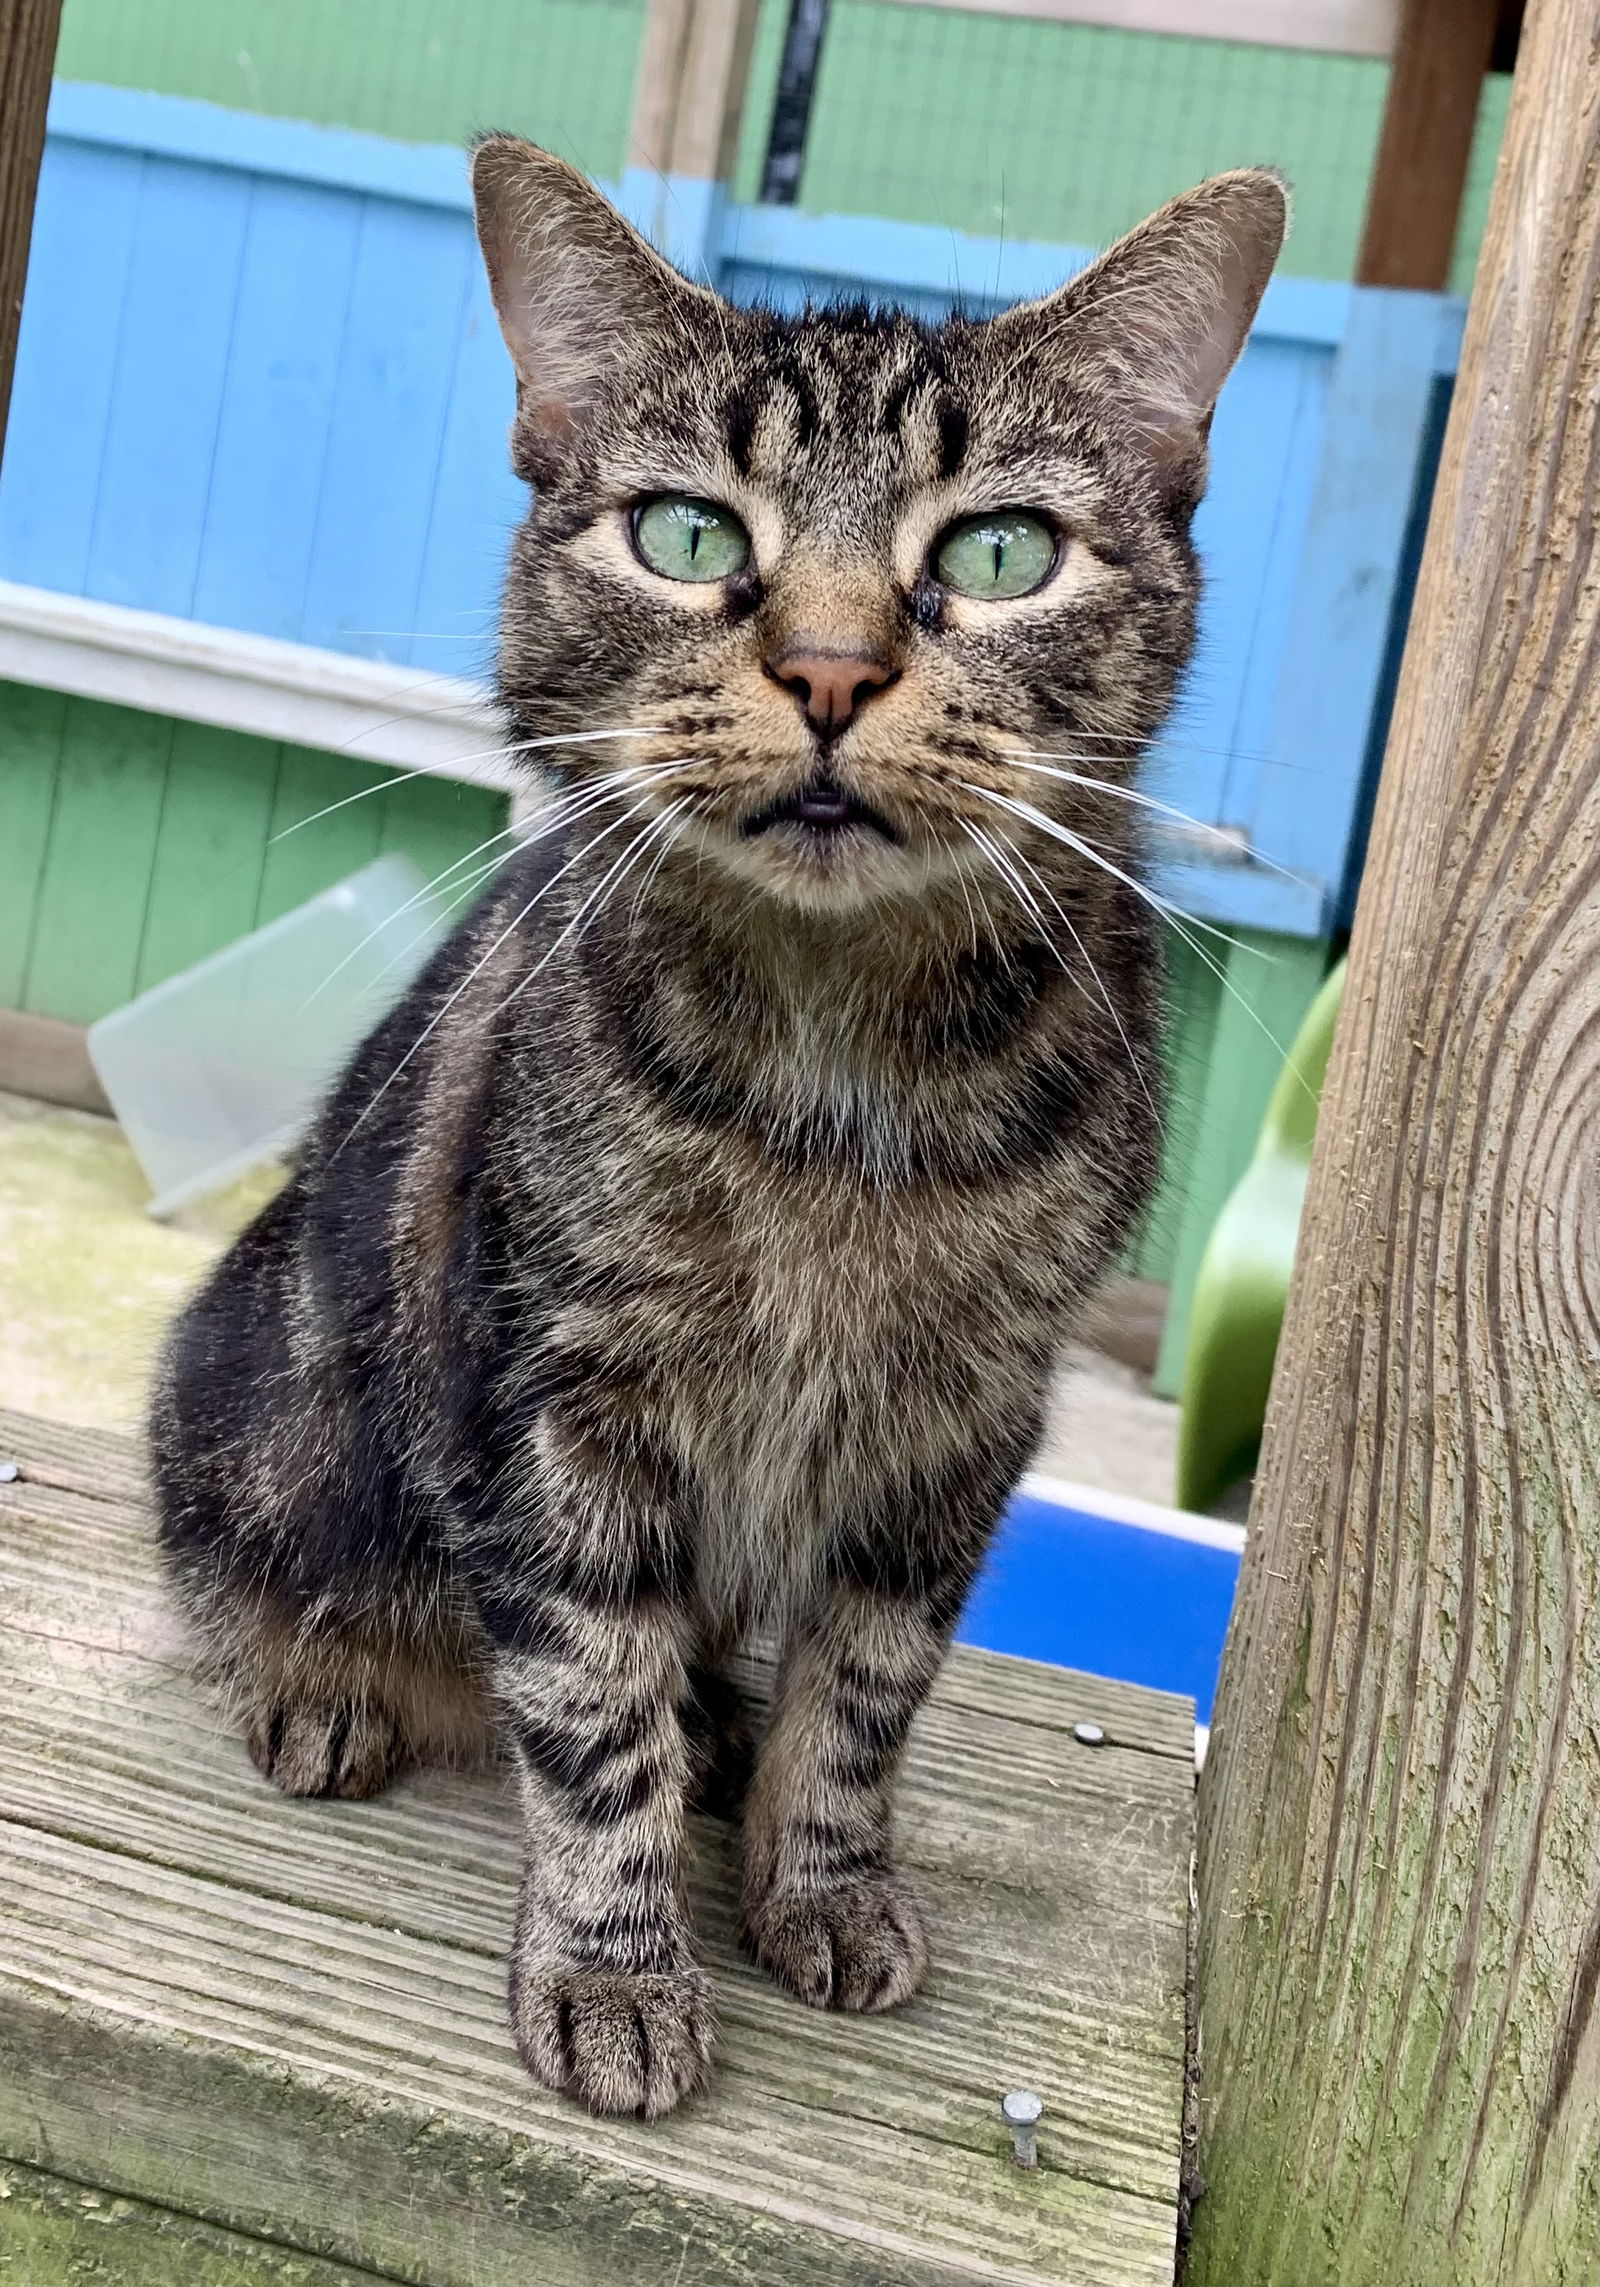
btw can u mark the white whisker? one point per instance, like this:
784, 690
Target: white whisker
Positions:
597, 897
565, 810
398, 776
1027, 760
966, 899
1170, 914
656, 863
460, 894
416, 898
1087, 957
996, 936
990, 844
450, 1000
1173, 913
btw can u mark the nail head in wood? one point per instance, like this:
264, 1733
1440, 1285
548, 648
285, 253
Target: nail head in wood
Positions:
1020, 2111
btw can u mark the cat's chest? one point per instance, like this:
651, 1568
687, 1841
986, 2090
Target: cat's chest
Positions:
832, 1319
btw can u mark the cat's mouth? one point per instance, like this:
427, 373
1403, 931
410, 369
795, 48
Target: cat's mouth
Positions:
821, 807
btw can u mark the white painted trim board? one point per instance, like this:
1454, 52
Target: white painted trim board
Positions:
218, 675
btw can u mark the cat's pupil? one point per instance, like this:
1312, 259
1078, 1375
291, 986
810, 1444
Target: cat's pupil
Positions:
1006, 553
685, 539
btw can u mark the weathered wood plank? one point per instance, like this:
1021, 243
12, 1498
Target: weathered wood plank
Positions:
1414, 199
298, 2006
58, 2234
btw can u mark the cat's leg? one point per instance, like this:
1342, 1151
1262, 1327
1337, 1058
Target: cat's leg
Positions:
824, 1911
823, 1907
319, 1589
593, 1640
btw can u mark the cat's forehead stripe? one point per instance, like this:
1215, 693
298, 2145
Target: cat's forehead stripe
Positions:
876, 384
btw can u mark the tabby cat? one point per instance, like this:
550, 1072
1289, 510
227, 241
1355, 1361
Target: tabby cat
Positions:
687, 1253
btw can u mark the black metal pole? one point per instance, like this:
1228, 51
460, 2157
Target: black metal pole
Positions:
791, 113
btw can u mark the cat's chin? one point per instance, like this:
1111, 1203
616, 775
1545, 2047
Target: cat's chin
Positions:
836, 869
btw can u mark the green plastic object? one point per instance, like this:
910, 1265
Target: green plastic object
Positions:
1244, 1275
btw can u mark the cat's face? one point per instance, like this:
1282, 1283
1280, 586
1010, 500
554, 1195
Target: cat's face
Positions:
864, 586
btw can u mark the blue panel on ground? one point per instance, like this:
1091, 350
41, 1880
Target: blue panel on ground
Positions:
1118, 1600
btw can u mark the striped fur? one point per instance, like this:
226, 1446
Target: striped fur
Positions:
687, 1254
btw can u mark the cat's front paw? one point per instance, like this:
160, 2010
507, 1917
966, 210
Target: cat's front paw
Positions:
613, 2041
857, 1947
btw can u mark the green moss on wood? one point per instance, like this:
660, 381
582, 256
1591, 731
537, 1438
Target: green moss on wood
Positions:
59, 2234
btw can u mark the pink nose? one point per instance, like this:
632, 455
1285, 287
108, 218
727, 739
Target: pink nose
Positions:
831, 686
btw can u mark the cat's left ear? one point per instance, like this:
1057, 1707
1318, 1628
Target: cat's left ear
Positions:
575, 288
1156, 325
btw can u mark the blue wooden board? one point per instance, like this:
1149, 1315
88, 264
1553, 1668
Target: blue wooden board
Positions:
1136, 1601
289, 322
61, 397
259, 383
173, 343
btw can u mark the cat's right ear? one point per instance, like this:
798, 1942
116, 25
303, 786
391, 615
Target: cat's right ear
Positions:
573, 284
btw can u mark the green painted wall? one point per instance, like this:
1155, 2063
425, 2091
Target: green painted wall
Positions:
131, 845
423, 71
986, 123
1013, 126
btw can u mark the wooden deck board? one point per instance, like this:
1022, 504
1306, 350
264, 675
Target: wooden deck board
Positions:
286, 2019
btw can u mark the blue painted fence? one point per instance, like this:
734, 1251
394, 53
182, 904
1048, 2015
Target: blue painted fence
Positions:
260, 384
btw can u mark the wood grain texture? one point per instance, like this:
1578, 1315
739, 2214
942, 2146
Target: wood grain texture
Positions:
28, 31
40, 1056
286, 2018
59, 2234
1420, 173
1400, 1820
694, 60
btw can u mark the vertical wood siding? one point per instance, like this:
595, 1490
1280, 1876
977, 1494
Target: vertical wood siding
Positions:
263, 403
132, 845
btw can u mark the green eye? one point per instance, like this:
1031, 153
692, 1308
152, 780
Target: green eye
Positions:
686, 539
1007, 553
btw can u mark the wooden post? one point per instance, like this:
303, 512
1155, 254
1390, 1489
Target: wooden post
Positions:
1435, 85
1398, 2043
28, 30
693, 65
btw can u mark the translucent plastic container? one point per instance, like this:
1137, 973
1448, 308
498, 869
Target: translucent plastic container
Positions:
223, 1066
